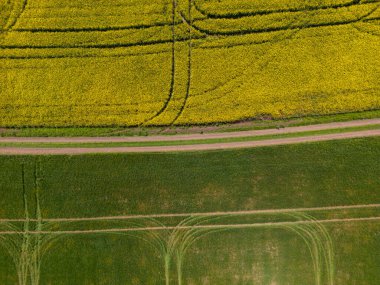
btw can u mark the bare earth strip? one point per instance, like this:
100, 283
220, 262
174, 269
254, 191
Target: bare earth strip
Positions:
225, 135
184, 148
219, 226
204, 214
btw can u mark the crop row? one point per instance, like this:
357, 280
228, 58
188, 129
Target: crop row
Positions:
235, 9
284, 21
51, 40
74, 53
133, 36
68, 18
59, 4
25, 40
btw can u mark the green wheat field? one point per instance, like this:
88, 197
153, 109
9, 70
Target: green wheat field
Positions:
275, 215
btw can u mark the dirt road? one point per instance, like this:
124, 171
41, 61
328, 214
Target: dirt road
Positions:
224, 135
182, 148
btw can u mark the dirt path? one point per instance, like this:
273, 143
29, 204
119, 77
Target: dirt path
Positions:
200, 214
224, 135
184, 148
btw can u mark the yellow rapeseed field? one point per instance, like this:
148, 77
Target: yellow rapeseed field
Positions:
163, 62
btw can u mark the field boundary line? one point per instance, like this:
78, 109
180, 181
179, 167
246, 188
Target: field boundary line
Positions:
204, 214
215, 226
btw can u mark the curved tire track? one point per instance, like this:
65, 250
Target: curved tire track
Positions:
12, 21
189, 61
173, 69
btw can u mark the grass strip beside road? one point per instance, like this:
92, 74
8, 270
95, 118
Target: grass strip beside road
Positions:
257, 124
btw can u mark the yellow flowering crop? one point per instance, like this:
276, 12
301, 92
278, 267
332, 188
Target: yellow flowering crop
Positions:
163, 62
